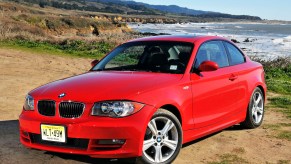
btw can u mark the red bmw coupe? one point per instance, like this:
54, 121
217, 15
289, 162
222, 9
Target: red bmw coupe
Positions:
146, 98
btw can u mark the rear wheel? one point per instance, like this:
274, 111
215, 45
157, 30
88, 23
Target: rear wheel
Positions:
255, 113
163, 138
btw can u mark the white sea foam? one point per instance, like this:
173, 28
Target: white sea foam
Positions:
285, 42
278, 41
261, 43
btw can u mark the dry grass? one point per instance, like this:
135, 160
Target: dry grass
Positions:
35, 24
62, 34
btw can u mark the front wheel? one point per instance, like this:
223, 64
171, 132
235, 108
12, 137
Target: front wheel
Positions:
163, 138
255, 112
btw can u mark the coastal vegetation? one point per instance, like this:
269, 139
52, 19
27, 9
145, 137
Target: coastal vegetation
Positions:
54, 31
77, 48
278, 74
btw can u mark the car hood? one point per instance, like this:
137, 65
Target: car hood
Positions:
104, 85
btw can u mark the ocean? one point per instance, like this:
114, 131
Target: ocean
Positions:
268, 41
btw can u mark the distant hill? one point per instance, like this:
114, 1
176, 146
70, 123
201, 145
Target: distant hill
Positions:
174, 9
164, 8
177, 9
126, 7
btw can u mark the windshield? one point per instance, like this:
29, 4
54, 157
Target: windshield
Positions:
165, 57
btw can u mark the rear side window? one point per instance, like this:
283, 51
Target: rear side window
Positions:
212, 51
235, 56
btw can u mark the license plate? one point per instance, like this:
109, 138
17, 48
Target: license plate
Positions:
53, 133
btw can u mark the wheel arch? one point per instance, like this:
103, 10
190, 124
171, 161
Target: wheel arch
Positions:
173, 109
263, 90
248, 121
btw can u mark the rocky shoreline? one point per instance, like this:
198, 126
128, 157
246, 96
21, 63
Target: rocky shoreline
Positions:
174, 20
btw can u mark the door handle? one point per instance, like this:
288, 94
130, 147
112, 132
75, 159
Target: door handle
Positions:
233, 77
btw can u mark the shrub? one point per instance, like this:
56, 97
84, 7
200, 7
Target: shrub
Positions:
278, 74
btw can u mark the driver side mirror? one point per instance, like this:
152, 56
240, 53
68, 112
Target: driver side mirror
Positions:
94, 62
208, 66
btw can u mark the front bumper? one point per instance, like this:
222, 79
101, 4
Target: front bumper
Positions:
86, 132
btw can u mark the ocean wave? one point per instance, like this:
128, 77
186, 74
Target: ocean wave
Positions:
238, 26
259, 43
283, 41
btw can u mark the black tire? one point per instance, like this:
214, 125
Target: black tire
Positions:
160, 114
250, 121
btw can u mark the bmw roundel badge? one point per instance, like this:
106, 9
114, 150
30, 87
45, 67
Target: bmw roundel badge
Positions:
62, 95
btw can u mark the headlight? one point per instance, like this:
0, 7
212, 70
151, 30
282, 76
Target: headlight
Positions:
29, 103
116, 108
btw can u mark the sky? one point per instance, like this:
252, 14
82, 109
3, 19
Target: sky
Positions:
266, 9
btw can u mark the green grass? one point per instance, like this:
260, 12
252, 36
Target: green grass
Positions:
229, 159
285, 135
276, 127
285, 124
271, 126
282, 102
279, 85
76, 48
278, 74
278, 79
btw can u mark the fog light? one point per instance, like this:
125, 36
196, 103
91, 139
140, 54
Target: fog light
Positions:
116, 141
111, 142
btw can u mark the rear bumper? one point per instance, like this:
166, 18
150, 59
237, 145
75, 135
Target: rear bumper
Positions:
90, 131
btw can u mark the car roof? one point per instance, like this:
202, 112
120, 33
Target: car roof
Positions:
179, 38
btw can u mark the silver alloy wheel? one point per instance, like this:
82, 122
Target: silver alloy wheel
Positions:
258, 107
162, 141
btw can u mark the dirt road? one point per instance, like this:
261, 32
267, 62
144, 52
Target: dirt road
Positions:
22, 71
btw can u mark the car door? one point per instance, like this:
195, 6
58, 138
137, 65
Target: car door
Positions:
237, 62
215, 92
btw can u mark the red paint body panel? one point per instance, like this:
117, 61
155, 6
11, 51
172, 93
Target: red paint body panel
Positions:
94, 127
207, 102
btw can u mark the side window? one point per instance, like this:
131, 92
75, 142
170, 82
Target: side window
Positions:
235, 56
213, 51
